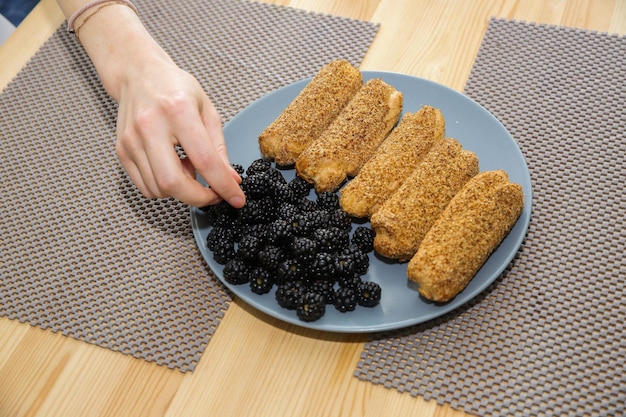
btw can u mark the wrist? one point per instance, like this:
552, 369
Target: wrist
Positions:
76, 21
117, 44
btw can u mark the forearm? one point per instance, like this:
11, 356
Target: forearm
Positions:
116, 41
160, 106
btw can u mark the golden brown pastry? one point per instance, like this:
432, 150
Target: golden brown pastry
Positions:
472, 226
310, 113
352, 137
404, 219
393, 161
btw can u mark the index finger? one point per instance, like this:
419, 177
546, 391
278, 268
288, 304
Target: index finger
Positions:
205, 147
174, 176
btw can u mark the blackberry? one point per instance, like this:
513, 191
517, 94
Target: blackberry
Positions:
325, 240
305, 205
323, 266
232, 224
344, 266
279, 232
258, 165
287, 212
238, 168
331, 239
222, 212
345, 299
276, 176
324, 288
258, 185
288, 295
227, 228
318, 219
351, 250
301, 225
360, 258
270, 256
261, 281
308, 278
282, 193
304, 249
223, 208
236, 271
289, 270
224, 252
343, 237
257, 211
248, 248
260, 231
349, 281
363, 237
368, 294
312, 307
300, 187
328, 201
340, 219
361, 263
217, 236
210, 213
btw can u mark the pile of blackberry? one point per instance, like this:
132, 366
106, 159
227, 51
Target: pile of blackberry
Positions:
302, 246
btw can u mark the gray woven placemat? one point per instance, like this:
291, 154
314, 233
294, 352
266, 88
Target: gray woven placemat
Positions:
82, 252
547, 338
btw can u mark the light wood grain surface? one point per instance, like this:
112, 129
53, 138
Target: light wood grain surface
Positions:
255, 365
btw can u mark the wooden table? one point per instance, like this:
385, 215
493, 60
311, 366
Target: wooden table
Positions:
255, 365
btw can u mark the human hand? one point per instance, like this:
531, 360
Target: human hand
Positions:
161, 106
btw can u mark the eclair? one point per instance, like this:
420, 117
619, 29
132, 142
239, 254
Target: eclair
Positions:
311, 112
471, 227
349, 141
393, 161
404, 218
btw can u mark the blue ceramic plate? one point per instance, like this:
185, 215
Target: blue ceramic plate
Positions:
401, 305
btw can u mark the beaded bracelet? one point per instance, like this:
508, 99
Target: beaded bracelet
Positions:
90, 5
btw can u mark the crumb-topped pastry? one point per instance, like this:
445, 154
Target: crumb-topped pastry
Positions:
311, 112
393, 161
472, 226
342, 149
404, 219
